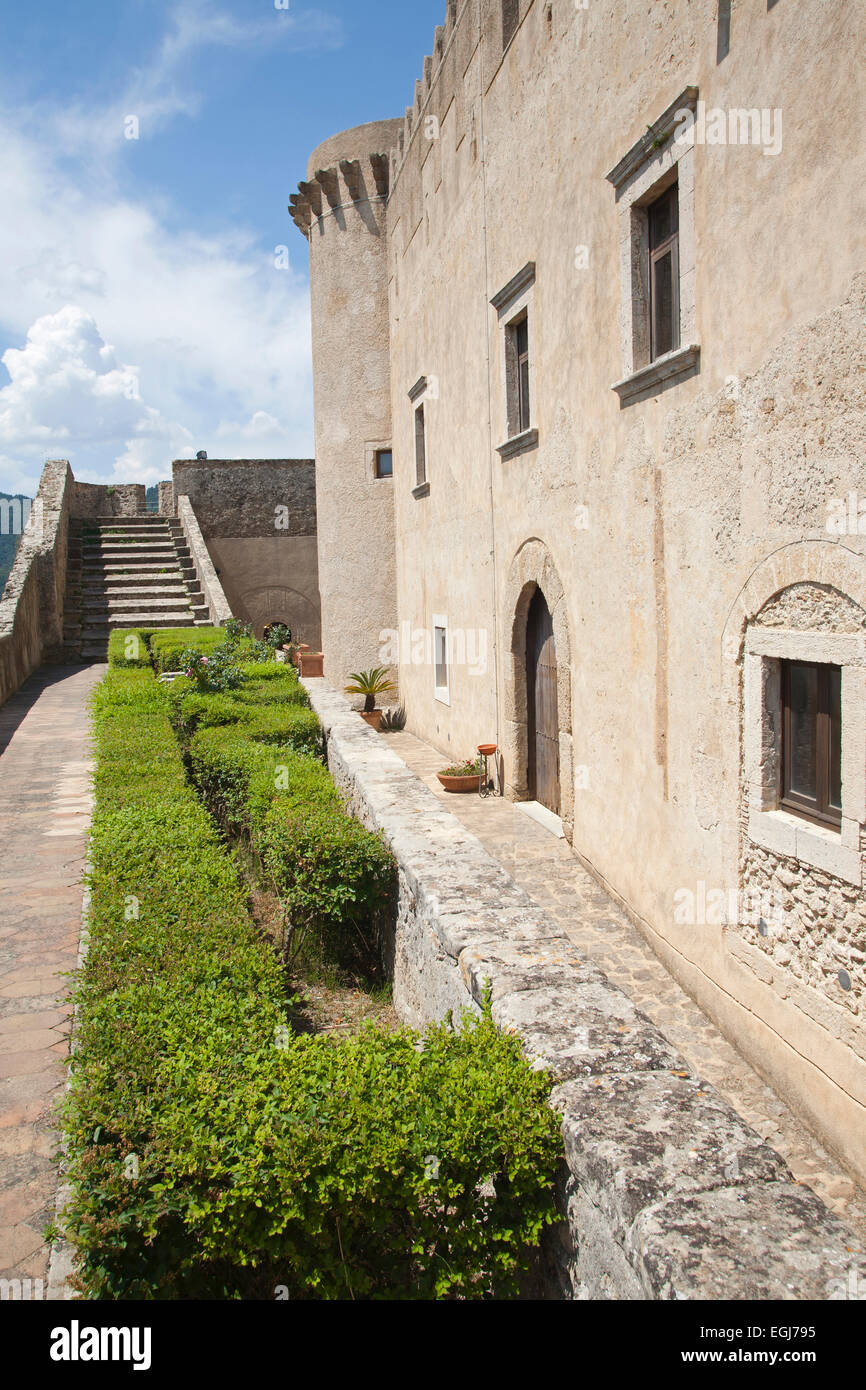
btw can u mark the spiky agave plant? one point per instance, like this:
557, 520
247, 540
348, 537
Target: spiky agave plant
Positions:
370, 684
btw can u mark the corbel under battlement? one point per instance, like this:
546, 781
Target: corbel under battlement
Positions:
334, 188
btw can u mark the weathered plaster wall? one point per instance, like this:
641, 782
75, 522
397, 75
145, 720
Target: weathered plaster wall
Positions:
667, 1193
258, 520
650, 518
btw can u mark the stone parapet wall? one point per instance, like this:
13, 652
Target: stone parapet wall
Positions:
165, 494
218, 606
249, 497
90, 500
668, 1194
31, 610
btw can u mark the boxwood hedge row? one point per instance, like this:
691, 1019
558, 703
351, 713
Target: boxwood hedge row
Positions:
213, 1153
254, 756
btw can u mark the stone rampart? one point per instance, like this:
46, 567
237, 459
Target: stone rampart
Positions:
31, 610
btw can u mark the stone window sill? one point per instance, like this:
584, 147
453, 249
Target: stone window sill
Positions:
518, 444
827, 850
422, 490
672, 367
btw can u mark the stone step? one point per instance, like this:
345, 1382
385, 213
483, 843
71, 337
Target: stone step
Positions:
138, 519
109, 528
109, 622
113, 582
133, 548
136, 603
135, 562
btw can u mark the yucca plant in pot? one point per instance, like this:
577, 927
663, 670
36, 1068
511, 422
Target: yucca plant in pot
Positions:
370, 684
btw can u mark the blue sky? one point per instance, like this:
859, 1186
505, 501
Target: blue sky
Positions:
142, 315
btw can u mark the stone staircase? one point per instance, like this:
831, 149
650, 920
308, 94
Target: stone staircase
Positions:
131, 571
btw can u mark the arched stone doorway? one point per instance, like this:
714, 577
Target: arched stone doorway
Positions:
533, 572
542, 706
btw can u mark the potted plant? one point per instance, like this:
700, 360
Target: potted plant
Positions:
370, 684
462, 777
311, 663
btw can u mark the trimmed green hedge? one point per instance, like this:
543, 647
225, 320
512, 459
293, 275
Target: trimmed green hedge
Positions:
213, 1154
166, 646
253, 755
130, 647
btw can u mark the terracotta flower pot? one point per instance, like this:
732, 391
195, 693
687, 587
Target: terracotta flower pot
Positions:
373, 717
311, 663
459, 784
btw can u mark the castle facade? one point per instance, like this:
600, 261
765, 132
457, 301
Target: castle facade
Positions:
588, 335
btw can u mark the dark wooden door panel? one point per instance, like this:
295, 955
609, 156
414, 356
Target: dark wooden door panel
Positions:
542, 705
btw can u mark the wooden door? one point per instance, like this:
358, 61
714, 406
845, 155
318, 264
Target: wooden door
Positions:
542, 705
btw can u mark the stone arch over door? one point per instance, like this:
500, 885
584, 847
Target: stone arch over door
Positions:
532, 569
277, 602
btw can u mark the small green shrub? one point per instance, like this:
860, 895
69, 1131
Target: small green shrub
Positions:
168, 646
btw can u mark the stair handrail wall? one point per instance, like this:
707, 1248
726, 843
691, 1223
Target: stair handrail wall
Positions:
219, 608
31, 609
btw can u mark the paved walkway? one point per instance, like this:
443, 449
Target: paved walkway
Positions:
548, 871
45, 801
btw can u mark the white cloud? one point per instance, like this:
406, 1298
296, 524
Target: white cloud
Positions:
219, 336
66, 385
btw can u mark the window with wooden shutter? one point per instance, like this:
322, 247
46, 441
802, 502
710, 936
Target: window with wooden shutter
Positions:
812, 741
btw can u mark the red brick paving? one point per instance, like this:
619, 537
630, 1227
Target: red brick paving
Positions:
44, 818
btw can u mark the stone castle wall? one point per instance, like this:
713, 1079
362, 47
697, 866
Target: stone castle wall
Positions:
645, 512
258, 521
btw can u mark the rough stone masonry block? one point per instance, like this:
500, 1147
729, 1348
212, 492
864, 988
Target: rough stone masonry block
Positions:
585, 1029
762, 1241
634, 1139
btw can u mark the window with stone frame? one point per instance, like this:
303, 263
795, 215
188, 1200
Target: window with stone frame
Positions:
804, 743
655, 195
514, 311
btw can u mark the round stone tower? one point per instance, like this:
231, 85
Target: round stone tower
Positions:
341, 208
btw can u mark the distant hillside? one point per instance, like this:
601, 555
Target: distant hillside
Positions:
8, 543
152, 495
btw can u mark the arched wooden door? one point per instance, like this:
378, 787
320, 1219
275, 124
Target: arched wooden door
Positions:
542, 705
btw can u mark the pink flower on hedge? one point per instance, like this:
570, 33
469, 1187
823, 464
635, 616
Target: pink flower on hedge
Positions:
204, 661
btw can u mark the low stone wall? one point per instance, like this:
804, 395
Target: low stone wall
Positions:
31, 610
218, 605
90, 500
667, 1193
